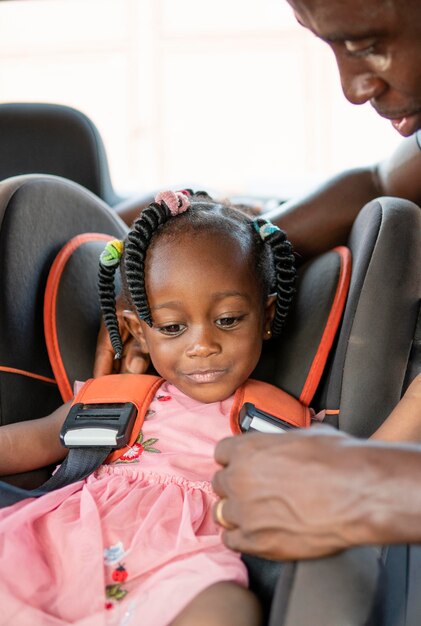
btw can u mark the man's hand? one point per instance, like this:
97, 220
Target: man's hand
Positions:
133, 361
298, 495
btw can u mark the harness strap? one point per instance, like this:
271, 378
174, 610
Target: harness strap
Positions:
272, 400
140, 389
83, 461
79, 463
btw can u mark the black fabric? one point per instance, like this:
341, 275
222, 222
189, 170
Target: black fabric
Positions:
300, 339
263, 577
394, 586
78, 464
54, 139
341, 590
370, 362
414, 362
78, 311
40, 214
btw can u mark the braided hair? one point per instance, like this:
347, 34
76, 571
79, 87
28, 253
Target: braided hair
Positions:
269, 251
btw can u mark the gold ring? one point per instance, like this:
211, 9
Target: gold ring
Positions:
219, 517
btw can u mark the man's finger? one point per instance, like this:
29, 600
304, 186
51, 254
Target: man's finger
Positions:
218, 483
224, 450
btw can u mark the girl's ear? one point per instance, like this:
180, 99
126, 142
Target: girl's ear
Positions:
269, 314
134, 326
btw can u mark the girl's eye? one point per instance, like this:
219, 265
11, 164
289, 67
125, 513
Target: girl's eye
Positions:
171, 330
361, 48
228, 322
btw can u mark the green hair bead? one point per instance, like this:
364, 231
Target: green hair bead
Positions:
112, 253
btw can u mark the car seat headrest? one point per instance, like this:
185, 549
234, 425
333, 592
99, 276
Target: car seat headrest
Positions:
297, 359
38, 215
295, 362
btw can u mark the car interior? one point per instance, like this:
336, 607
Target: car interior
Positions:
350, 346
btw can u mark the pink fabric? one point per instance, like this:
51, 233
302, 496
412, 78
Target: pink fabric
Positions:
143, 526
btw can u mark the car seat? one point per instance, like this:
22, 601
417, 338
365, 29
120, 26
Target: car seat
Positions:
38, 214
375, 356
56, 139
358, 387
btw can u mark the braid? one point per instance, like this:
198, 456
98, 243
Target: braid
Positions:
137, 244
271, 253
106, 288
284, 270
285, 277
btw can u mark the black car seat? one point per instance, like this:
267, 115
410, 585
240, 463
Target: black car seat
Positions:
54, 139
375, 356
40, 214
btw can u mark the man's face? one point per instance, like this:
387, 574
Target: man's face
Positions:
377, 45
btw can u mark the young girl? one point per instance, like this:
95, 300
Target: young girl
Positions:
136, 543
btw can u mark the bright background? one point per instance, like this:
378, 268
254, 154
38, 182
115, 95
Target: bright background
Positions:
230, 95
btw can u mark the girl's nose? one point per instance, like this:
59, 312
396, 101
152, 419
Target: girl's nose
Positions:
203, 344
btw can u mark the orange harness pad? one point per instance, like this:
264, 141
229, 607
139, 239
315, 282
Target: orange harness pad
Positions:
140, 389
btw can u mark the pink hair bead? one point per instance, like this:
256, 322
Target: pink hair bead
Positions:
176, 201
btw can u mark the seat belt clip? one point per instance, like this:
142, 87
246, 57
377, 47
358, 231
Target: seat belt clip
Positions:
252, 419
93, 425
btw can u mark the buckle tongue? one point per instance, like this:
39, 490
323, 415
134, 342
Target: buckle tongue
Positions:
93, 425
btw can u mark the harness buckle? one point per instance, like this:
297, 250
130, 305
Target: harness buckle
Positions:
252, 419
93, 425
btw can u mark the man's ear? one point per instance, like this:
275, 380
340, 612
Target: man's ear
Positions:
134, 326
269, 314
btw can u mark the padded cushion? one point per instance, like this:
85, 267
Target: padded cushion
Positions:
296, 360
72, 312
334, 591
38, 215
368, 371
54, 139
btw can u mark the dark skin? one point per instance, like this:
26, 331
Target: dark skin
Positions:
379, 62
206, 338
373, 495
344, 492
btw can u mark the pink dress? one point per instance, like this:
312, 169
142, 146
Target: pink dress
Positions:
132, 544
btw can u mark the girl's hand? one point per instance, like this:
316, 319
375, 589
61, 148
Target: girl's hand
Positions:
134, 361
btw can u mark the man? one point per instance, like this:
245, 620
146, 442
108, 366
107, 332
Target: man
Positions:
377, 45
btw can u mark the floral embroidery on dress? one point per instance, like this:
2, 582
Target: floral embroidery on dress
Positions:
163, 398
138, 448
114, 553
115, 592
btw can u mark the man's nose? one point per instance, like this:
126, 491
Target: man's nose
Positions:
358, 84
203, 343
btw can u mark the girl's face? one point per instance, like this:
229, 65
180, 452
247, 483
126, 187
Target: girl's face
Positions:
208, 314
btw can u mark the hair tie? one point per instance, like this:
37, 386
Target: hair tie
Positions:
112, 253
176, 201
266, 229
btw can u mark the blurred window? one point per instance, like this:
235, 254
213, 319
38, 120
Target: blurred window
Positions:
229, 95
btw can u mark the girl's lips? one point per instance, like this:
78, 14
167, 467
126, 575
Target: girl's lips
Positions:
207, 376
408, 124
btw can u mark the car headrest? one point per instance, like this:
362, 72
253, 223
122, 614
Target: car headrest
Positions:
295, 362
38, 215
53, 139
